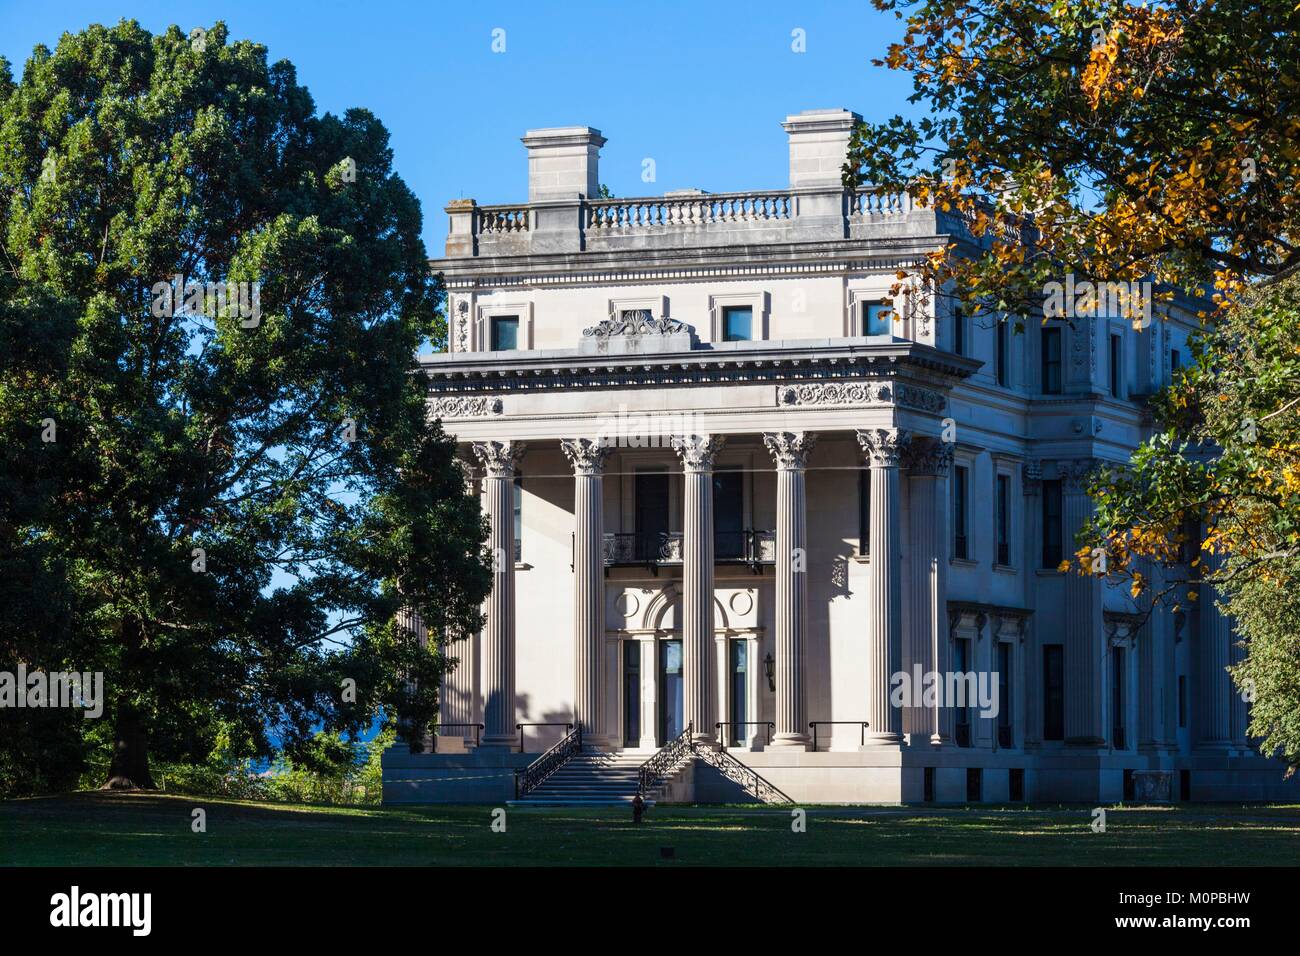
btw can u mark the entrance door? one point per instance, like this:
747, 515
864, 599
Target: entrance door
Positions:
670, 691
728, 515
651, 514
739, 691
631, 693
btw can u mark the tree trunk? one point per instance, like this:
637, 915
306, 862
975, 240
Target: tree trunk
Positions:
130, 767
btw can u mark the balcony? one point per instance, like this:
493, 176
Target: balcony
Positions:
655, 549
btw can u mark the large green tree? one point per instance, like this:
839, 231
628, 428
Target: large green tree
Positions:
220, 505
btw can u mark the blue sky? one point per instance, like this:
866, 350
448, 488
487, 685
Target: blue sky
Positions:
700, 87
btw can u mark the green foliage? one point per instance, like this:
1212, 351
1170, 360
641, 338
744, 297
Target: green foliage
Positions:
127, 158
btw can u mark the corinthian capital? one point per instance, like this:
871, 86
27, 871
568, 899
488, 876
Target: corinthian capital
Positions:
587, 455
790, 449
883, 446
697, 451
928, 457
499, 458
1074, 474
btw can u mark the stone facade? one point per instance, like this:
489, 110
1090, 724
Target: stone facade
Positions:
737, 501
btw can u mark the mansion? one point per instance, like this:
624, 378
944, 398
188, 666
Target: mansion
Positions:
743, 508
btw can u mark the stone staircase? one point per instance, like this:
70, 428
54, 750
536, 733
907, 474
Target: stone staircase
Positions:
590, 779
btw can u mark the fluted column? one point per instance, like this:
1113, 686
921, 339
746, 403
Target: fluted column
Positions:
499, 461
883, 447
1213, 655
927, 463
790, 450
458, 703
1031, 485
588, 458
697, 453
1085, 645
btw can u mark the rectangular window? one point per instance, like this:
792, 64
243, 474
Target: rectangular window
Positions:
1003, 556
974, 784
1016, 784
728, 515
1116, 366
959, 491
651, 515
737, 323
505, 333
958, 332
1051, 358
739, 691
1053, 692
1001, 357
1117, 698
879, 319
961, 665
519, 516
631, 693
1053, 539
1004, 695
864, 511
1182, 701
1175, 359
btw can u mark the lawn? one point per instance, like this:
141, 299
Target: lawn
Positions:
154, 829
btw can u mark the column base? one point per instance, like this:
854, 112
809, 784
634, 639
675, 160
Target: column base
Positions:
940, 740
707, 740
882, 740
499, 742
596, 742
797, 741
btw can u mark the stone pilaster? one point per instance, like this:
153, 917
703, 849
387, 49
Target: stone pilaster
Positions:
790, 450
499, 460
884, 447
588, 458
1085, 645
1031, 485
697, 453
1214, 712
927, 462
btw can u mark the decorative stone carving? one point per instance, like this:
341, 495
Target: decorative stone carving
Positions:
635, 322
922, 398
1075, 473
499, 458
462, 326
1031, 476
464, 406
928, 457
883, 446
697, 451
834, 393
790, 449
587, 455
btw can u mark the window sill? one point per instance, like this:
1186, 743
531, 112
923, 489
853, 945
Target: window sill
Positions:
863, 558
964, 562
1005, 569
523, 566
1049, 573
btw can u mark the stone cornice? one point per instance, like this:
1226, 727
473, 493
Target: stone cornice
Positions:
781, 362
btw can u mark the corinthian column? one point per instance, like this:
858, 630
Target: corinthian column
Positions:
459, 701
1085, 639
790, 449
883, 447
697, 453
588, 458
499, 461
927, 466
1215, 647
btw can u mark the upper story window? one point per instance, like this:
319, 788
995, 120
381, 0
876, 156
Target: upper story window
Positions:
1051, 360
519, 515
737, 323
728, 515
505, 333
958, 331
1053, 536
1001, 355
1175, 361
1003, 556
864, 511
961, 480
1116, 366
878, 318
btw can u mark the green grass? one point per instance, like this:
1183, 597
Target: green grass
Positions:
152, 829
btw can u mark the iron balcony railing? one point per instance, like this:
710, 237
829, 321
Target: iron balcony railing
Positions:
654, 548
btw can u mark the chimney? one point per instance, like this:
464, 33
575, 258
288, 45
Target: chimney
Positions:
563, 162
819, 146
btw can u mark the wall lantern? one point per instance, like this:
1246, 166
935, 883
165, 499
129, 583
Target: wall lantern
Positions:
769, 668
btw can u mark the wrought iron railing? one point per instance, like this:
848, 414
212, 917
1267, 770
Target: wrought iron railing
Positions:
831, 723
759, 787
730, 730
665, 759
520, 727
530, 778
653, 548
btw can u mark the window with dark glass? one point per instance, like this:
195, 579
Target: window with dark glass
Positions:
739, 691
1053, 538
959, 502
631, 693
1004, 520
1053, 692
1117, 698
651, 515
879, 319
728, 515
1116, 365
961, 665
1001, 356
1175, 359
505, 333
1051, 360
1004, 695
737, 323
519, 516
958, 331
864, 511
